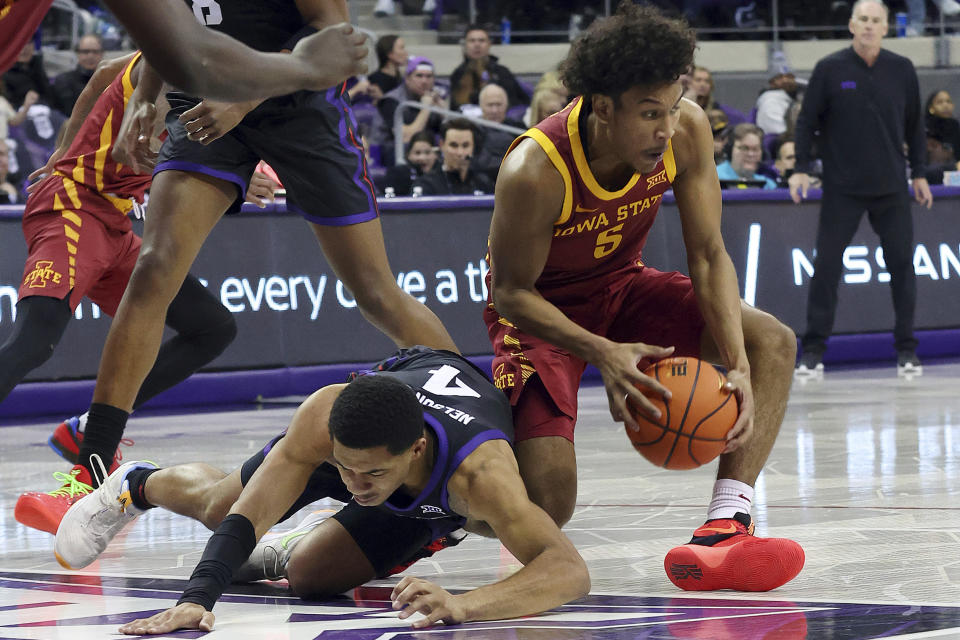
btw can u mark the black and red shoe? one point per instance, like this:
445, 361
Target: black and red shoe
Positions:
724, 554
451, 539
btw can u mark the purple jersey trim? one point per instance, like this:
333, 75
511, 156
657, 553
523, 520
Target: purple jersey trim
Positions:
194, 167
340, 221
461, 455
438, 468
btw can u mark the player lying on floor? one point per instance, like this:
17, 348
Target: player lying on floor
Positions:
419, 447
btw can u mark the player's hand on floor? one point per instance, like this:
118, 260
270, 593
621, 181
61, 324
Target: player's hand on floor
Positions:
211, 120
261, 189
332, 55
414, 595
132, 146
618, 367
183, 616
738, 383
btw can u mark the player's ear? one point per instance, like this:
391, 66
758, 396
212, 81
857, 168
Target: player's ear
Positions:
602, 107
419, 447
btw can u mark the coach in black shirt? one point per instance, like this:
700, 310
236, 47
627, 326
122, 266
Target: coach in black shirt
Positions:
863, 104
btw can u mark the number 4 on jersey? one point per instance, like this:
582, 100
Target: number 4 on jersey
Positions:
207, 12
439, 383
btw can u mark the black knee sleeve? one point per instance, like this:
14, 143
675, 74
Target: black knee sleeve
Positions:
40, 324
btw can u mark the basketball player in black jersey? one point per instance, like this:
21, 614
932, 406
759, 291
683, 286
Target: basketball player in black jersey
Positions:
205, 164
419, 446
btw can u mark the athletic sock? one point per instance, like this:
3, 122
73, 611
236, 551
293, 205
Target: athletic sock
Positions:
729, 497
137, 483
104, 430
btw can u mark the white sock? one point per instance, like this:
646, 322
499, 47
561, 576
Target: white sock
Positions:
82, 421
729, 497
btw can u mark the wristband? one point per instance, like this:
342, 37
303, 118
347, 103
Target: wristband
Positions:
228, 547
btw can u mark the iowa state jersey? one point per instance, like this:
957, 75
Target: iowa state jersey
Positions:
461, 407
88, 161
598, 231
264, 25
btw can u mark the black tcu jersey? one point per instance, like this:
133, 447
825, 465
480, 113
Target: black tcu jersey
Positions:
265, 25
462, 409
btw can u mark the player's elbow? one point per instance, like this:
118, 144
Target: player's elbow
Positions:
579, 576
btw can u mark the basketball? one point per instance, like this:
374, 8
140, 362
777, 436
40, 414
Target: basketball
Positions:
693, 426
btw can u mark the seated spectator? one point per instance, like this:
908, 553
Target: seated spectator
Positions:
745, 153
941, 156
941, 126
68, 85
720, 126
701, 91
392, 58
479, 69
494, 142
10, 117
27, 75
9, 194
418, 85
454, 176
785, 159
421, 158
549, 96
775, 104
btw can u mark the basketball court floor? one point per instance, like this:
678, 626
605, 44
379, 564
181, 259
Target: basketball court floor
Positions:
865, 475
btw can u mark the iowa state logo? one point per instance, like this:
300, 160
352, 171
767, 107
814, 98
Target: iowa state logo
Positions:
656, 179
42, 273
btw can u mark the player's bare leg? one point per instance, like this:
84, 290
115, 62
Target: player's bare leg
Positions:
328, 561
359, 258
724, 553
184, 207
548, 466
195, 490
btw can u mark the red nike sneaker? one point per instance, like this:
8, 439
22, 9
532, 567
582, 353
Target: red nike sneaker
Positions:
44, 511
68, 436
724, 554
452, 539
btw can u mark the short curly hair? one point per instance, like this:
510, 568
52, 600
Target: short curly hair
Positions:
637, 46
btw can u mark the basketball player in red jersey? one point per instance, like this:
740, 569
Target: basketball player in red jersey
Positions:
575, 199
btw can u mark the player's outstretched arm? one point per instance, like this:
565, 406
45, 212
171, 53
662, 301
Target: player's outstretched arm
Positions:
271, 491
554, 573
529, 200
203, 62
697, 190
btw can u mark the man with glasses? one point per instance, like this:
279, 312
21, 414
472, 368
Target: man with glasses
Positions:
68, 85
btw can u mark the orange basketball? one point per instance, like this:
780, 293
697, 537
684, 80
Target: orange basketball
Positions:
693, 426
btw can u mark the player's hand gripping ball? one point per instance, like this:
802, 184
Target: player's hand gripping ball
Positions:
693, 425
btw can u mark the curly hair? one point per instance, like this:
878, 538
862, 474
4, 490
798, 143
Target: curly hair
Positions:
376, 411
637, 46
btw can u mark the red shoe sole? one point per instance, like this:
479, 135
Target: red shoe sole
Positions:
29, 514
756, 564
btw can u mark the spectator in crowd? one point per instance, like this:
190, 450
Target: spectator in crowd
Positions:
9, 194
480, 68
745, 152
10, 117
417, 86
784, 159
720, 125
392, 58
27, 75
700, 90
421, 158
775, 104
939, 121
865, 102
455, 176
68, 85
549, 96
941, 156
494, 142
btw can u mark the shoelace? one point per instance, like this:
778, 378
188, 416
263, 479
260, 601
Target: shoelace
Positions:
71, 486
118, 456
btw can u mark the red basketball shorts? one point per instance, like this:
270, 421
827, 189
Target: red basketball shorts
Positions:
69, 248
634, 304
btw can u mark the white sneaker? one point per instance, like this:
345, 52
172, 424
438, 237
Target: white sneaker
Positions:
271, 555
93, 521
